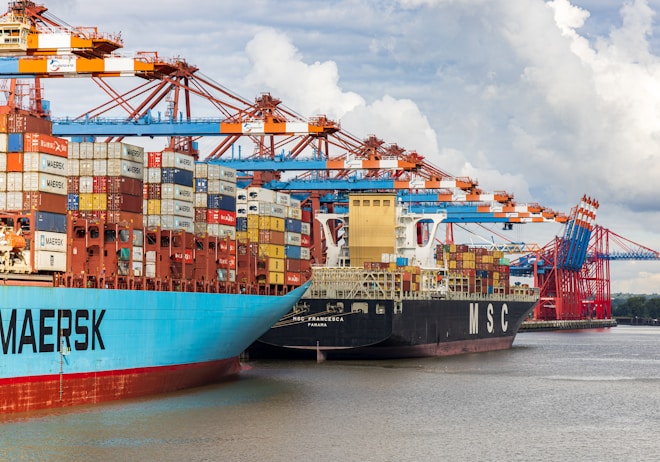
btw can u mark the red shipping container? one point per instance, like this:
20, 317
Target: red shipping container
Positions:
15, 162
293, 265
186, 255
222, 247
306, 216
120, 216
45, 202
73, 184
23, 123
200, 214
305, 241
154, 159
227, 262
47, 144
100, 184
124, 185
292, 279
221, 217
268, 236
153, 191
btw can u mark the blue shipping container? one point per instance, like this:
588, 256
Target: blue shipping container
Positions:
221, 202
241, 224
292, 225
15, 142
52, 222
177, 176
201, 185
72, 201
292, 251
401, 261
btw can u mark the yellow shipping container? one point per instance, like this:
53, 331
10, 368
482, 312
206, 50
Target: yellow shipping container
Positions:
241, 235
452, 264
153, 207
276, 264
468, 256
275, 278
253, 221
271, 250
100, 201
86, 201
253, 233
271, 223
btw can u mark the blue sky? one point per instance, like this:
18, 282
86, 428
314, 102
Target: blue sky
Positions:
548, 100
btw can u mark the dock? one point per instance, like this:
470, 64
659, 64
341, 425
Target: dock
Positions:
535, 326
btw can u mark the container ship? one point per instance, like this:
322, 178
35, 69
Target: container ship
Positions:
125, 273
416, 299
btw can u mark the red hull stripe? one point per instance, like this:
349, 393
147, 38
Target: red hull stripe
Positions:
21, 394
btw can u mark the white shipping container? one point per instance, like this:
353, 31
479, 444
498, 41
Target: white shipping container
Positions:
86, 150
227, 188
44, 182
86, 167
86, 184
261, 194
227, 174
137, 268
133, 170
132, 153
73, 167
213, 187
100, 150
304, 253
179, 160
213, 172
221, 230
241, 210
295, 203
150, 270
176, 191
154, 175
14, 181
201, 170
153, 221
176, 207
292, 238
14, 200
283, 198
52, 242
100, 167
3, 161
294, 212
73, 150
3, 183
45, 260
253, 207
3, 201
241, 195
305, 228
46, 163
201, 200
138, 254
177, 222
200, 228
150, 256
3, 143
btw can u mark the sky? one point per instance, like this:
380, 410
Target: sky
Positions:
547, 100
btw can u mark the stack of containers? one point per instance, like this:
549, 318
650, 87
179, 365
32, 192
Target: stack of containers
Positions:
33, 169
169, 191
215, 200
274, 221
105, 181
476, 269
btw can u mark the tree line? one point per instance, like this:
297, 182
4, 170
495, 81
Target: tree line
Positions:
636, 306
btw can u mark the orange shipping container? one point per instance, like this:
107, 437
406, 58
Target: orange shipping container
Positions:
15, 162
45, 202
47, 144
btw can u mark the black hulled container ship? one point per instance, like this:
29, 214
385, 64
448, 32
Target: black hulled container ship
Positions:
418, 299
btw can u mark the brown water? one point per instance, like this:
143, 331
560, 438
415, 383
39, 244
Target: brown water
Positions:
558, 396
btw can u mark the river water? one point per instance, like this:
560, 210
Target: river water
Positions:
556, 396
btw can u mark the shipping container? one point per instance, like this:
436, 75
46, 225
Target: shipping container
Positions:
53, 242
48, 221
175, 191
44, 182
45, 260
171, 159
177, 176
47, 202
43, 143
221, 202
15, 162
15, 142
293, 251
221, 217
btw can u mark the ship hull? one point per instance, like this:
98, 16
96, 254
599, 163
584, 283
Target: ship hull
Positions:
378, 329
67, 346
